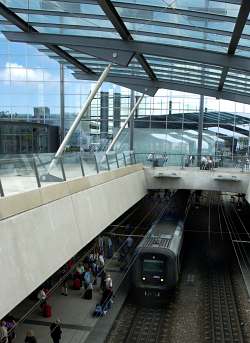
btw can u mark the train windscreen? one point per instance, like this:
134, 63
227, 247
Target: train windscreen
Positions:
153, 266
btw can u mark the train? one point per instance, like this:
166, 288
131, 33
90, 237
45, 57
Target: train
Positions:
157, 262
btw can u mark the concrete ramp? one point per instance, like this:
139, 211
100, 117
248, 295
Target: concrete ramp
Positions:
43, 228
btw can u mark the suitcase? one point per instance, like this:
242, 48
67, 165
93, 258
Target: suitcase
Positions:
47, 311
98, 311
77, 284
88, 294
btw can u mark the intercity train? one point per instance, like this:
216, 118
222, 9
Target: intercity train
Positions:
157, 265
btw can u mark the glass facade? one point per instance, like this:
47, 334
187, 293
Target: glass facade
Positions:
168, 122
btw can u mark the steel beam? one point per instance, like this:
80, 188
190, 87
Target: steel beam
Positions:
62, 104
151, 87
80, 115
154, 49
238, 29
111, 12
21, 24
124, 124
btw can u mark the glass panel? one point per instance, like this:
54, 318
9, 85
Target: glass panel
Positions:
175, 33
212, 7
17, 174
160, 40
72, 166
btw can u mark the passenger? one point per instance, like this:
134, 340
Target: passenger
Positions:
108, 282
10, 325
3, 332
101, 261
246, 163
30, 338
94, 269
88, 278
210, 163
70, 264
103, 278
56, 331
65, 288
42, 297
110, 248
101, 245
106, 300
129, 242
203, 163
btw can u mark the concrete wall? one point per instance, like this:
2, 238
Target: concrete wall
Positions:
42, 229
191, 178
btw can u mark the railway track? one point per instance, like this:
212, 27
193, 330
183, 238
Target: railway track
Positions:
204, 299
141, 324
222, 324
222, 319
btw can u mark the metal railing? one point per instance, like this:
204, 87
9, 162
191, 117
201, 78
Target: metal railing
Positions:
27, 172
204, 162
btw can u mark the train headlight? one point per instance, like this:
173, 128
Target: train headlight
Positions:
162, 280
143, 278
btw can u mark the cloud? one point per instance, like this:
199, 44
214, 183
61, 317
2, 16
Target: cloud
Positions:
17, 72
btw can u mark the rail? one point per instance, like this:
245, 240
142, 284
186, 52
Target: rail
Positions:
19, 173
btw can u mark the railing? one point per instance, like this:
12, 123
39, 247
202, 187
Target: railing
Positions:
27, 172
204, 162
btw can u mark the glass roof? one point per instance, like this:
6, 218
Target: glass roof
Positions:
179, 42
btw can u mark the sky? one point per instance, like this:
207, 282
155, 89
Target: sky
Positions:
28, 78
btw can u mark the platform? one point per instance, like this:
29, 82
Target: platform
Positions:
75, 313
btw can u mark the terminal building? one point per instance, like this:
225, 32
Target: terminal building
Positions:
109, 109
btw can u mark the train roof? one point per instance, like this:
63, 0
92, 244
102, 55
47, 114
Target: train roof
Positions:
161, 234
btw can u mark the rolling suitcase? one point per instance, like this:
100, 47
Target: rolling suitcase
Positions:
98, 311
77, 284
47, 311
88, 294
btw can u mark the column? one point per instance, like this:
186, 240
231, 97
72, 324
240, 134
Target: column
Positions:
104, 115
200, 129
117, 111
132, 121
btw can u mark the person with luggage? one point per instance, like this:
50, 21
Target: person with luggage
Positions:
106, 300
42, 297
56, 331
30, 338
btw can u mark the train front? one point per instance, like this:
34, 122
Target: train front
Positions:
154, 274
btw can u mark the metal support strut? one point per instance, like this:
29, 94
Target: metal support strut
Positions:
124, 124
80, 115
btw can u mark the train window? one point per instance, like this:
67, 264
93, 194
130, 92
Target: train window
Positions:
150, 266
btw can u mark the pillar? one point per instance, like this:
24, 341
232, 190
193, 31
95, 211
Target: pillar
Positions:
104, 115
200, 129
